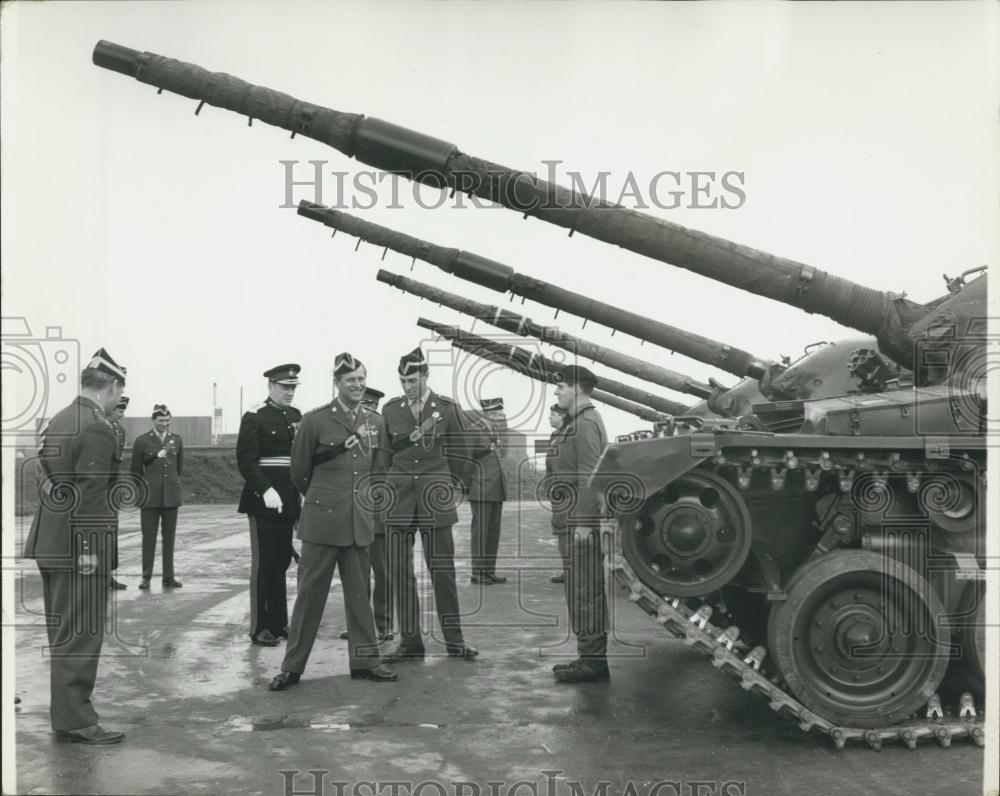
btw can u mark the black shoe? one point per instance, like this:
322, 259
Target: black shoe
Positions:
465, 651
284, 681
558, 578
583, 672
171, 583
379, 673
116, 584
497, 578
402, 654
386, 635
144, 583
481, 580
264, 639
283, 633
344, 634
95, 735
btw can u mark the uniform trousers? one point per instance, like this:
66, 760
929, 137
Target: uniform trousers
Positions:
439, 556
315, 575
75, 607
585, 596
486, 516
270, 555
382, 599
150, 521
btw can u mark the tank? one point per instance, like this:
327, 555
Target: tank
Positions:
826, 549
534, 366
847, 555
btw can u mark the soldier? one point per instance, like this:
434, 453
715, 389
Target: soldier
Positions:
158, 459
339, 450
72, 539
382, 598
576, 514
557, 415
263, 455
421, 480
487, 488
117, 418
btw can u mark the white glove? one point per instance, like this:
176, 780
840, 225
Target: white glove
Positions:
161, 453
272, 499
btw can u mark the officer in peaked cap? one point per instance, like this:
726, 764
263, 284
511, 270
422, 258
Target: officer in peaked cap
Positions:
269, 499
487, 488
577, 445
372, 398
382, 596
73, 542
424, 429
338, 450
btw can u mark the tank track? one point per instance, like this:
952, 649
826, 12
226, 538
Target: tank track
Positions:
691, 624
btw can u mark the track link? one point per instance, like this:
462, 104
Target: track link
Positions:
690, 622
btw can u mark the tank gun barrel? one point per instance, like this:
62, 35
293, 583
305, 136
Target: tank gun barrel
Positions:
520, 325
430, 160
502, 278
532, 365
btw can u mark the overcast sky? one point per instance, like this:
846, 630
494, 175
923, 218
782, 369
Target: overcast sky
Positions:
866, 137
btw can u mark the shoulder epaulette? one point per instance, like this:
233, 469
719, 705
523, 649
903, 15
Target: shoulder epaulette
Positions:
320, 408
257, 407
397, 399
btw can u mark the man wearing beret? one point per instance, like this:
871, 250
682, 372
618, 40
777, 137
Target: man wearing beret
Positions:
576, 515
157, 459
338, 462
487, 488
72, 540
269, 499
424, 431
117, 418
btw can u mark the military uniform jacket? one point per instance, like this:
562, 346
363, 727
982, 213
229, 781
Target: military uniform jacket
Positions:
77, 512
162, 475
341, 493
263, 456
484, 478
422, 478
576, 447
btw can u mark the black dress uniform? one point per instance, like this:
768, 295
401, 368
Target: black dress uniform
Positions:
72, 540
487, 487
422, 480
576, 447
263, 455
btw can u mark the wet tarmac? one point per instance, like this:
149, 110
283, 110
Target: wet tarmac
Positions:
179, 677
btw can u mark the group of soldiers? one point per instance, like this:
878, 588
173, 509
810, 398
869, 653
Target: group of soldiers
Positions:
360, 486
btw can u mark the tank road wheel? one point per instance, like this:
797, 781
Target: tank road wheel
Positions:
691, 538
859, 639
